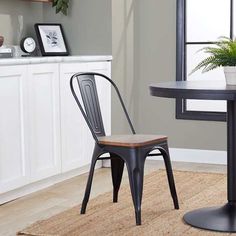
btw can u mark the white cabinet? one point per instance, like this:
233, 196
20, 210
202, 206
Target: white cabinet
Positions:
29, 124
14, 162
44, 120
77, 141
42, 132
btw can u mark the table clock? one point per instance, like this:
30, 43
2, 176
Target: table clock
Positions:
28, 45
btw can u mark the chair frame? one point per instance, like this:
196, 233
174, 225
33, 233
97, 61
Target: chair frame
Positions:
133, 157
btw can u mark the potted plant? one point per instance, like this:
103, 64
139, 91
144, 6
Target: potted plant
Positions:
61, 6
223, 54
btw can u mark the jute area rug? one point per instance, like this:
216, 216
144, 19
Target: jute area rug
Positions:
103, 217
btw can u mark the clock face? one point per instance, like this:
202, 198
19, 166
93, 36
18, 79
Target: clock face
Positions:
29, 45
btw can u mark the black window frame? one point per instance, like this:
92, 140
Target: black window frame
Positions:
181, 43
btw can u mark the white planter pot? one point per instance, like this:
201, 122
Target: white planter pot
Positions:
230, 75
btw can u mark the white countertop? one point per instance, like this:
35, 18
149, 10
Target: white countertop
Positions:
41, 60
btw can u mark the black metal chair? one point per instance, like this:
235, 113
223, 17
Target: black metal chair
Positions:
129, 149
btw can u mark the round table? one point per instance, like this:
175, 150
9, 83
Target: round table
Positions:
221, 218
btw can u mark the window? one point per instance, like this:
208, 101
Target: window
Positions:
201, 23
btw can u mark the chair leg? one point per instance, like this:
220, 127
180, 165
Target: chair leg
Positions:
89, 182
166, 156
135, 167
117, 167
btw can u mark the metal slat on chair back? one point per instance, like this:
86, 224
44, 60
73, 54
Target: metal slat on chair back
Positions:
92, 113
88, 90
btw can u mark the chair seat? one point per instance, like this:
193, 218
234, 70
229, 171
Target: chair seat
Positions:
134, 140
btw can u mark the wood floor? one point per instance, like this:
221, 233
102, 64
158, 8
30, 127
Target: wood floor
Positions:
22, 212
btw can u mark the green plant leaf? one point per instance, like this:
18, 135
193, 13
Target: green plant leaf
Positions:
54, 3
223, 53
61, 6
64, 10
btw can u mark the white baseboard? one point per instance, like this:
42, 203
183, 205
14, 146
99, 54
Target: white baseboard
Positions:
192, 155
42, 184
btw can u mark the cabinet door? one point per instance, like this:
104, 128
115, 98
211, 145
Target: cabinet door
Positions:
44, 120
77, 141
14, 162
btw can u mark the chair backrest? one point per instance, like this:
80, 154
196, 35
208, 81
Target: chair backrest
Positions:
91, 111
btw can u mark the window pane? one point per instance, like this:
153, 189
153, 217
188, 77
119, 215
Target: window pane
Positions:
208, 105
207, 20
193, 58
234, 15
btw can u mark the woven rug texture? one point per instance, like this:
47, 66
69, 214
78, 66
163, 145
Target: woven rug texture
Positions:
195, 190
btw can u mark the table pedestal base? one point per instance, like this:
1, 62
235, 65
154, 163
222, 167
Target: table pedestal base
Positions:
213, 218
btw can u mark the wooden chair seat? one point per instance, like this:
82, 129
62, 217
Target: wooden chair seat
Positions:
131, 141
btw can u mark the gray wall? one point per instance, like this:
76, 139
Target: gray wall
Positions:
141, 36
123, 65
14, 11
87, 27
143, 48
156, 62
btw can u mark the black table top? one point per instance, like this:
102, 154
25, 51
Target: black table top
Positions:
208, 90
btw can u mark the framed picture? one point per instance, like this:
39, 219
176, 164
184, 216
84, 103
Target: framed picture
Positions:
51, 40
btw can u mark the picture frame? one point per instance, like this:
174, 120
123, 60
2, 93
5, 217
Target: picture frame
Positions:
51, 39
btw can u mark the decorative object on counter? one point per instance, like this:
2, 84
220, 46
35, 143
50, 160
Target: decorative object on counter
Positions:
9, 51
28, 45
19, 29
61, 6
1, 40
222, 54
6, 52
51, 40
17, 52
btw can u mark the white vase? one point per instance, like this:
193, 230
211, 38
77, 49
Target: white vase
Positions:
230, 75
